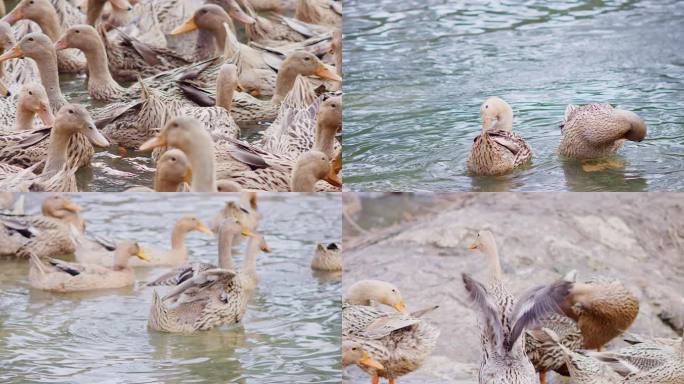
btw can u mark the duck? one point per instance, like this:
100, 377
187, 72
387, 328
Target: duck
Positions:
32, 100
48, 234
503, 319
94, 8
15, 73
209, 19
173, 173
278, 29
324, 12
43, 13
310, 168
272, 165
228, 231
353, 353
244, 211
61, 276
94, 252
58, 173
188, 135
205, 298
603, 309
277, 6
584, 369
327, 258
649, 361
400, 342
598, 130
497, 150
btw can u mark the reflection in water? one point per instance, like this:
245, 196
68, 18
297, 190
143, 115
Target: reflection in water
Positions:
290, 332
416, 73
600, 175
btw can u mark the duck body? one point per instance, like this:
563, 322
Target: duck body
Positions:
544, 353
327, 258
35, 234
403, 346
61, 276
647, 362
498, 152
598, 130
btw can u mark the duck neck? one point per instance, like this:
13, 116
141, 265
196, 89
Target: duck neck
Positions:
57, 152
49, 76
325, 139
94, 11
494, 264
98, 68
504, 121
302, 180
178, 238
249, 264
24, 119
219, 34
224, 93
284, 83
203, 167
226, 250
49, 24
120, 259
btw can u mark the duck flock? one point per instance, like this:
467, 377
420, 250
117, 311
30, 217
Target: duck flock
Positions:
561, 327
179, 78
202, 296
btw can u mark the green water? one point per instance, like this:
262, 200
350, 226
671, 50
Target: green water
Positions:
290, 334
416, 73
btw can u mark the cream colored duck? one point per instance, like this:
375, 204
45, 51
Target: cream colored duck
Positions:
399, 342
31, 101
598, 130
44, 14
354, 353
497, 150
327, 258
325, 12
311, 168
205, 298
49, 234
172, 174
94, 8
93, 252
61, 276
503, 319
58, 174
245, 212
16, 72
271, 167
584, 369
188, 135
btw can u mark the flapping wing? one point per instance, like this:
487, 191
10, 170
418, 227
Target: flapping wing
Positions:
486, 307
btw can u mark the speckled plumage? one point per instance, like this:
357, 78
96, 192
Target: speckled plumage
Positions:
50, 237
598, 130
647, 362
401, 343
497, 152
543, 352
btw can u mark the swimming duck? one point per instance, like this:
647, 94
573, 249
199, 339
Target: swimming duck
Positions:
205, 298
497, 150
44, 14
16, 72
503, 319
48, 234
62, 159
603, 309
598, 130
399, 342
61, 276
173, 173
94, 253
327, 258
584, 369
310, 168
31, 101
354, 353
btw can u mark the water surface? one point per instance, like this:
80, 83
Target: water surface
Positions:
290, 333
416, 73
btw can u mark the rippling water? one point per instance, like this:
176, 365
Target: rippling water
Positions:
416, 73
290, 334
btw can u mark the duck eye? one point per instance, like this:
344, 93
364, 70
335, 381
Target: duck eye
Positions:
307, 58
173, 159
30, 39
77, 31
31, 2
333, 105
71, 111
394, 291
354, 349
486, 106
31, 93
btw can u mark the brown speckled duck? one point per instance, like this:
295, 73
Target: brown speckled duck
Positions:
497, 150
598, 130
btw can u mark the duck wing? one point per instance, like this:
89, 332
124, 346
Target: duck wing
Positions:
181, 274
